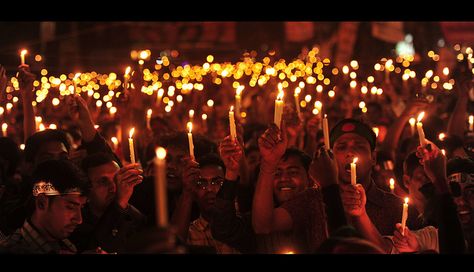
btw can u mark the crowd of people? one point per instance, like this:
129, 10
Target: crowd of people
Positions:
275, 188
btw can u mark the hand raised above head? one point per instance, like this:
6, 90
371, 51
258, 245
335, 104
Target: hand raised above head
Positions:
273, 143
323, 168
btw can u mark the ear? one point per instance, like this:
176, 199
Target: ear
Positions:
406, 180
42, 202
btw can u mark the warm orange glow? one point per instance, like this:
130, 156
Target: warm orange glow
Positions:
190, 127
355, 160
406, 200
441, 136
420, 116
280, 95
160, 153
130, 134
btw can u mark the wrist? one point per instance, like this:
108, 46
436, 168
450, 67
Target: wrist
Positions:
267, 166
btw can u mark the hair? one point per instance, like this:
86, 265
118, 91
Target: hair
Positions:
304, 158
34, 142
410, 163
202, 144
211, 159
10, 152
346, 240
63, 175
95, 160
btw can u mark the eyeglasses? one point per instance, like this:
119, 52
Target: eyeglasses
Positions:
203, 183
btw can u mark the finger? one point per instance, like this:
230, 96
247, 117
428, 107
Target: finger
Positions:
272, 135
269, 142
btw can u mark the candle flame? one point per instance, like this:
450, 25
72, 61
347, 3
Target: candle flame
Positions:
190, 127
443, 151
130, 134
297, 91
412, 121
160, 153
23, 52
231, 108
355, 160
392, 182
471, 119
149, 112
114, 140
76, 76
388, 63
239, 90
191, 113
420, 116
280, 95
4, 126
441, 136
127, 71
406, 200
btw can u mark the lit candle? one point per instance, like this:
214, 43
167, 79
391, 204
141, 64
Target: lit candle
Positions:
161, 200
233, 131
41, 127
278, 108
9, 108
126, 77
297, 102
392, 185
130, 144
22, 56
412, 122
115, 142
2, 110
388, 65
471, 123
238, 99
404, 215
376, 131
148, 118
76, 76
4, 129
419, 126
191, 115
38, 120
326, 132
190, 140
353, 171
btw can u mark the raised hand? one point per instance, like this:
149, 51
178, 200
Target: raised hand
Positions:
231, 154
323, 168
407, 243
25, 78
272, 144
434, 163
125, 179
353, 199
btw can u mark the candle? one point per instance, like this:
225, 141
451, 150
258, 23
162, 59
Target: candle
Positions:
419, 126
471, 123
238, 99
412, 122
404, 215
191, 115
388, 65
353, 171
297, 102
74, 82
9, 108
4, 129
22, 56
278, 108
161, 200
38, 120
190, 140
376, 131
326, 132
233, 131
130, 144
115, 142
392, 185
126, 77
148, 118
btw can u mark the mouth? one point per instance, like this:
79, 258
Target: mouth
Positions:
286, 187
464, 212
347, 167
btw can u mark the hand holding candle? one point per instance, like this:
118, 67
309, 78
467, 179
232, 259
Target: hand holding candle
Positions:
161, 200
354, 171
233, 131
130, 144
404, 215
419, 126
190, 141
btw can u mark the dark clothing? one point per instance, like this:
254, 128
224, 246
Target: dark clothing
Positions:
450, 232
28, 240
100, 145
110, 231
336, 217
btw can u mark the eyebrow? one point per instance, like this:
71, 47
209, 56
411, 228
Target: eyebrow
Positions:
72, 202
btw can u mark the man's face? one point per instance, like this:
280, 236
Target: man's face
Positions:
174, 167
290, 178
207, 186
103, 187
415, 182
346, 148
52, 150
63, 214
465, 204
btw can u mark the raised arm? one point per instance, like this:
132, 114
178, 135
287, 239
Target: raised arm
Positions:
457, 120
26, 79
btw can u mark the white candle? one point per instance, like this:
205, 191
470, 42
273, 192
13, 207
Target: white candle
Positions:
22, 56
419, 126
161, 199
233, 131
148, 118
190, 140
297, 102
404, 215
130, 144
353, 171
471, 123
4, 129
327, 145
392, 184
126, 77
412, 122
278, 109
238, 99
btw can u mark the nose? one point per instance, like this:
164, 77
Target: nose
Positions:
460, 202
77, 219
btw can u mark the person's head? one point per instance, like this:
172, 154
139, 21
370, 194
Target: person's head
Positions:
351, 139
59, 190
177, 147
414, 178
460, 172
100, 169
291, 176
9, 158
45, 145
346, 240
212, 173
